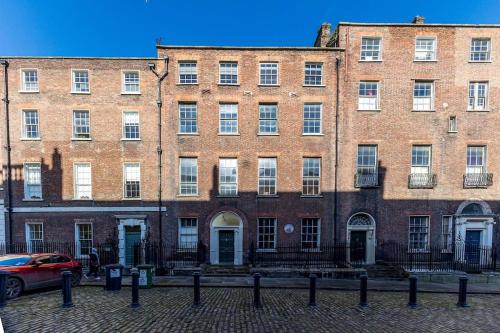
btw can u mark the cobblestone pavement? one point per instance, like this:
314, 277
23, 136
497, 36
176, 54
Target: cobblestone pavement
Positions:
231, 310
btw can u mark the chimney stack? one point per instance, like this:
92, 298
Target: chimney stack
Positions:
418, 20
323, 35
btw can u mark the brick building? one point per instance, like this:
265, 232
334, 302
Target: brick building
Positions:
249, 140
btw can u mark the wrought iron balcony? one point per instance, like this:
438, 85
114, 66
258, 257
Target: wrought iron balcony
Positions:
364, 179
478, 180
422, 180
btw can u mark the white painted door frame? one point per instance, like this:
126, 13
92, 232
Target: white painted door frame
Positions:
128, 222
238, 240
371, 241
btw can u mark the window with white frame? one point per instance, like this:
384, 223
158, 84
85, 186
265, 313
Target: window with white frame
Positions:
446, 232
188, 233
312, 118
310, 233
452, 124
81, 124
34, 236
268, 118
421, 160
371, 48
480, 49
268, 73
228, 72
425, 49
188, 176
367, 160
228, 118
188, 118
83, 238
478, 96
267, 176
80, 81
266, 233
313, 74
423, 96
132, 180
83, 181
419, 233
368, 95
228, 176
131, 125
188, 72
476, 158
131, 82
29, 80
30, 124
311, 175
32, 181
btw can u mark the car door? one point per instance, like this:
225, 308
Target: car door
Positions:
60, 263
41, 273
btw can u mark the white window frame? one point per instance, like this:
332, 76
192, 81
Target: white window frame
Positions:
23, 81
180, 234
312, 119
418, 106
189, 183
77, 195
29, 241
74, 137
124, 125
446, 242
416, 167
124, 83
306, 179
488, 52
361, 167
221, 183
125, 166
275, 240
318, 235
229, 73
179, 81
26, 181
379, 57
369, 100
452, 124
433, 52
476, 106
78, 240
73, 83
277, 73
24, 131
264, 159
428, 226
190, 104
321, 76
232, 108
275, 105
476, 168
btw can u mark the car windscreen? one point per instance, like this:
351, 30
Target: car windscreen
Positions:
16, 261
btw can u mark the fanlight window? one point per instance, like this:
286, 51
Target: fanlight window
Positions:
360, 219
473, 209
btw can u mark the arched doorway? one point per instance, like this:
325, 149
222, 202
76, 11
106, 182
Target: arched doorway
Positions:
226, 239
361, 235
474, 223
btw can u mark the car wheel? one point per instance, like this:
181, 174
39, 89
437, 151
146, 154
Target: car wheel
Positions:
76, 278
14, 288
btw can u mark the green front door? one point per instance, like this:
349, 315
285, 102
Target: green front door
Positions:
132, 236
226, 247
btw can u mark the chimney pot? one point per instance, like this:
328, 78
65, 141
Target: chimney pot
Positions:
418, 20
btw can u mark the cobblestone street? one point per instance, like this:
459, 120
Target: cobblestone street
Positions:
231, 310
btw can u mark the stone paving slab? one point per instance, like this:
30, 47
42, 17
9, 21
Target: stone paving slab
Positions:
231, 310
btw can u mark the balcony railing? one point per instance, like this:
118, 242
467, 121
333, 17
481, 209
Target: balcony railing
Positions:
422, 180
478, 180
366, 179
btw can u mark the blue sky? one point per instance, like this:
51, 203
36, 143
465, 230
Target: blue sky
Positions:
130, 27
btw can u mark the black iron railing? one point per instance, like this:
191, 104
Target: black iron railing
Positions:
478, 180
366, 179
422, 180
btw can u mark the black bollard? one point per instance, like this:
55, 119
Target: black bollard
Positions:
363, 291
412, 303
196, 285
312, 289
135, 288
256, 290
66, 289
462, 292
4, 275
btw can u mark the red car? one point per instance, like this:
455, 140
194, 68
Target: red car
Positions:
32, 271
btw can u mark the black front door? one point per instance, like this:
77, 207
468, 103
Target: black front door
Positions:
358, 246
226, 246
472, 249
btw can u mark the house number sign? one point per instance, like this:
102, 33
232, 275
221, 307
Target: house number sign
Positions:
288, 228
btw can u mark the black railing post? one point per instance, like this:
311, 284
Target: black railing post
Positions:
363, 291
135, 288
251, 254
4, 276
256, 290
312, 289
196, 286
412, 303
462, 292
66, 289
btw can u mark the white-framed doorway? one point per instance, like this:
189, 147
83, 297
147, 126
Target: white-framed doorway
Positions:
224, 227
127, 225
362, 227
474, 215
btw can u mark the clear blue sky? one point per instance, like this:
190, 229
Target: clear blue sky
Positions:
130, 27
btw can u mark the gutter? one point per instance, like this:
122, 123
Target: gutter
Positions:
335, 177
8, 148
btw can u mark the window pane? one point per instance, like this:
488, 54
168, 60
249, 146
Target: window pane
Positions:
310, 233
228, 72
228, 176
267, 176
368, 96
188, 114
81, 81
131, 82
30, 80
425, 49
268, 118
312, 118
419, 232
188, 72
132, 180
480, 49
32, 181
131, 125
313, 74
30, 129
266, 233
83, 177
228, 114
188, 233
81, 124
423, 96
84, 240
188, 176
370, 49
269, 73
311, 176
